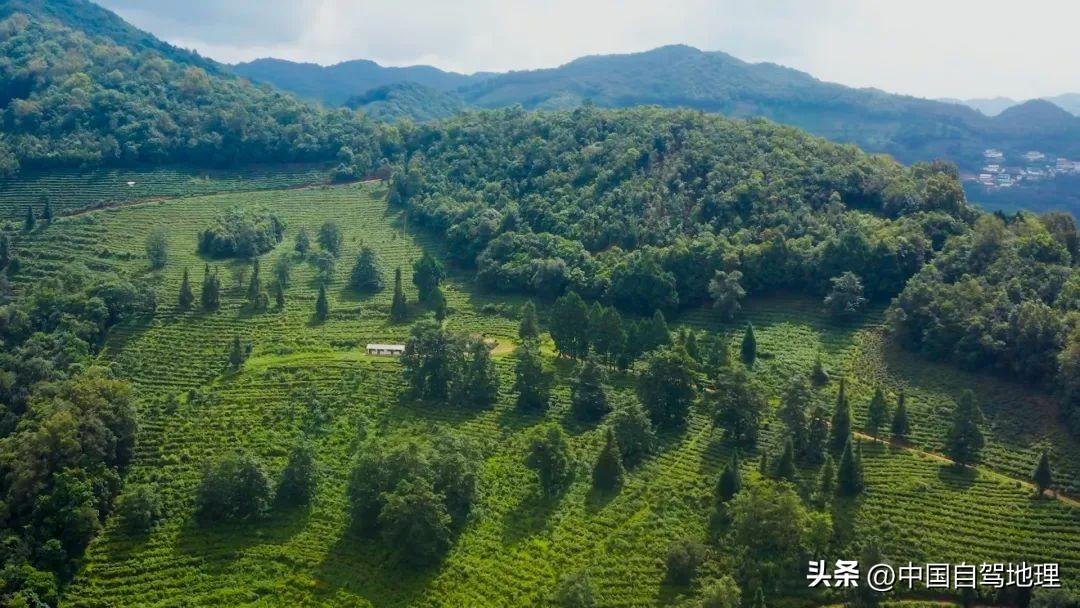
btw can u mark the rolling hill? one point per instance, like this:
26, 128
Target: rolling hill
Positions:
908, 128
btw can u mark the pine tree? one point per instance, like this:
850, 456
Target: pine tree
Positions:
1042, 476
763, 463
478, 384
730, 481
31, 220
211, 290
187, 297
531, 383
817, 441
607, 334
303, 242
827, 479
237, 353
366, 274
656, 333
876, 413
322, 306
609, 472
785, 466
5, 249
818, 375
849, 473
796, 399
427, 274
47, 212
840, 427
529, 328
900, 425
588, 400
279, 295
255, 285
965, 440
438, 304
759, 599
399, 309
749, 346
571, 333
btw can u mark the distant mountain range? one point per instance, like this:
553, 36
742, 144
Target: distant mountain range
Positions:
908, 128
992, 106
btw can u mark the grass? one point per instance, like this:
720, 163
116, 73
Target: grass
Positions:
514, 547
73, 189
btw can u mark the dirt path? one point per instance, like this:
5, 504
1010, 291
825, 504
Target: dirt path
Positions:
1069, 500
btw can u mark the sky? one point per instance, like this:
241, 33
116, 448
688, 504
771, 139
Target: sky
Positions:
928, 48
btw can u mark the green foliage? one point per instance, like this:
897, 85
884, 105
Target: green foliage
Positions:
608, 472
254, 289
238, 353
398, 306
299, 479
157, 248
283, 270
211, 290
416, 493
571, 333
574, 590
722, 593
785, 464
684, 558
366, 272
476, 383
241, 232
748, 348
303, 242
738, 406
1042, 476
666, 387
727, 293
141, 507
531, 382
769, 530
846, 294
876, 413
818, 375
900, 427
730, 481
415, 523
429, 360
606, 333
234, 488
549, 457
849, 474
427, 274
588, 399
322, 305
30, 221
187, 297
840, 426
827, 479
529, 328
633, 432
794, 404
330, 238
965, 440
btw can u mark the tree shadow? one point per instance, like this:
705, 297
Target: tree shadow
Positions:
365, 567
957, 477
596, 499
529, 517
231, 539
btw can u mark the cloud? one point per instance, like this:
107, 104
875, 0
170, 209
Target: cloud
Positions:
932, 48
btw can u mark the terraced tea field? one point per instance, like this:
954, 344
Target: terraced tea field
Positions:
73, 189
512, 550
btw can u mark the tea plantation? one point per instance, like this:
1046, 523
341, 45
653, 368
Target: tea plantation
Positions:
314, 380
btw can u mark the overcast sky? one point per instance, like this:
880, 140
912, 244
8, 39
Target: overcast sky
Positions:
929, 48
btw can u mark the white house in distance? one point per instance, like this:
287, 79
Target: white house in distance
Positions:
386, 350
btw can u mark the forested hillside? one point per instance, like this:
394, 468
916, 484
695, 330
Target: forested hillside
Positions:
640, 207
77, 97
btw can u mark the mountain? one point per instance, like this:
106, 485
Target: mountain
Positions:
79, 86
909, 128
393, 102
991, 106
336, 84
1070, 102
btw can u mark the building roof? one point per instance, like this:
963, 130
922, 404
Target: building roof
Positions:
386, 347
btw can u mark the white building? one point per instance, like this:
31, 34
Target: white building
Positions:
1034, 156
386, 350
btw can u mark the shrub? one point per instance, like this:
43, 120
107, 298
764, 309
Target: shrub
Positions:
241, 232
235, 488
684, 557
141, 507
